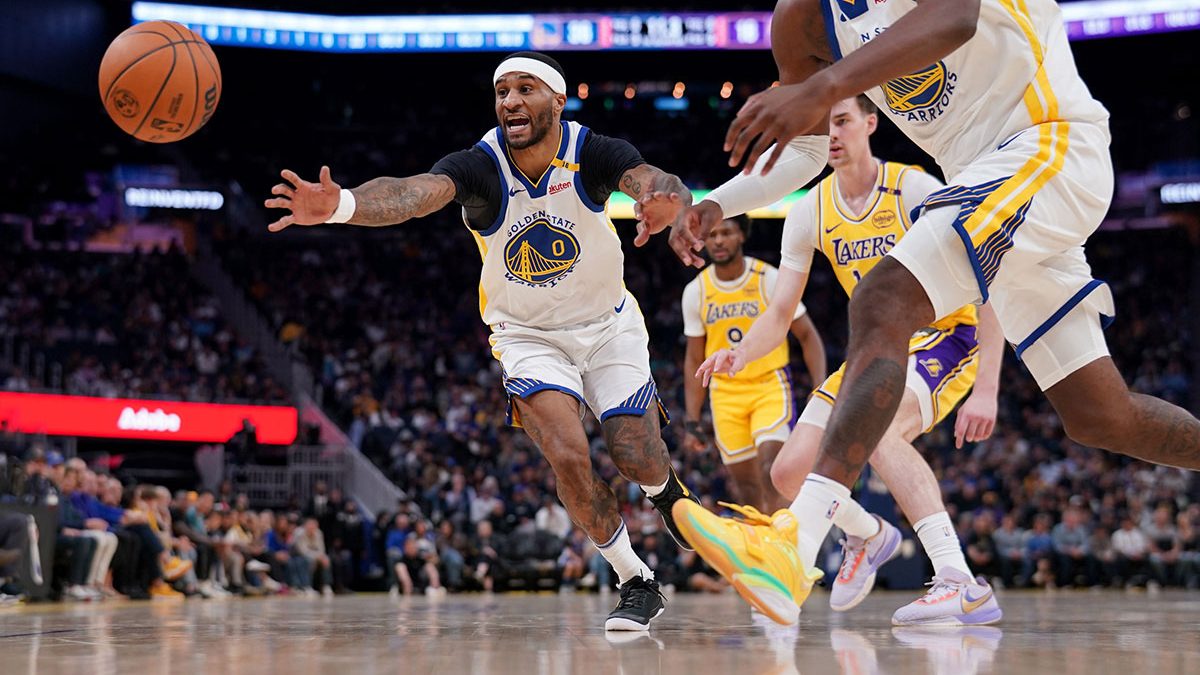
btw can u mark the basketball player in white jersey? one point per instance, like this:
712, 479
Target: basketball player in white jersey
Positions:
989, 88
533, 193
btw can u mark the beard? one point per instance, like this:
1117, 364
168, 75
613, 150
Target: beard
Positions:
539, 127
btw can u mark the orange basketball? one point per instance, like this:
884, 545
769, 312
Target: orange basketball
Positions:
159, 81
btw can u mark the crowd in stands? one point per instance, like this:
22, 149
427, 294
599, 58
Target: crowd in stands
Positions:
120, 325
125, 540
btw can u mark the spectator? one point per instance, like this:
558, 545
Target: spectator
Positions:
416, 572
1133, 553
553, 518
309, 544
1010, 550
981, 547
1039, 554
394, 548
1165, 546
1072, 547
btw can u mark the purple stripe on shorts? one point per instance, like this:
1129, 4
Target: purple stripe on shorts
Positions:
937, 363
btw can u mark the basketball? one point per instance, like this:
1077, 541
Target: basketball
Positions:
159, 81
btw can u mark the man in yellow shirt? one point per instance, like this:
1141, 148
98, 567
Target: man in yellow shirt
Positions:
752, 413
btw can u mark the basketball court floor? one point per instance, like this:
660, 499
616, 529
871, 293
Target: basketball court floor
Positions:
1064, 633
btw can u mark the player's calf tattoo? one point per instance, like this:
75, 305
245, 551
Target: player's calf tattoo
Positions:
637, 449
862, 415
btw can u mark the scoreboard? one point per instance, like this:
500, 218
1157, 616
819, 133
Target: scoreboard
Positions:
1086, 19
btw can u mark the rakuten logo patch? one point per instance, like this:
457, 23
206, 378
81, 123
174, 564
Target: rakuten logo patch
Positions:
146, 420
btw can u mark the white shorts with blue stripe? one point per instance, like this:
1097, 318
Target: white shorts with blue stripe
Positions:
604, 364
1010, 229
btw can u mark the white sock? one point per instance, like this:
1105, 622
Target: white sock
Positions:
619, 553
819, 500
941, 544
656, 490
855, 520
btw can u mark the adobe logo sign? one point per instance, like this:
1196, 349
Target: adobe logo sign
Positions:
144, 420
89, 417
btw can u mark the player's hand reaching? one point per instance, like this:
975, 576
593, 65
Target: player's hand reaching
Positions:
725, 361
976, 419
688, 233
655, 212
309, 203
776, 115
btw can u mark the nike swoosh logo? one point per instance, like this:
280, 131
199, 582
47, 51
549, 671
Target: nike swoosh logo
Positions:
513, 192
970, 605
831, 229
621, 306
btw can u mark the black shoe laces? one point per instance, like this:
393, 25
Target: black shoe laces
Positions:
635, 592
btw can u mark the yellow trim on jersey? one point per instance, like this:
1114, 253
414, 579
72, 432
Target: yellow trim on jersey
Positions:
836, 195
563, 137
953, 388
481, 244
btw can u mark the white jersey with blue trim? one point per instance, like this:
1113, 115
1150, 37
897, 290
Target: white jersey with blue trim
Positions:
552, 258
1016, 72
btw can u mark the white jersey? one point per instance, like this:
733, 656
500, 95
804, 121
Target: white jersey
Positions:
1016, 72
552, 258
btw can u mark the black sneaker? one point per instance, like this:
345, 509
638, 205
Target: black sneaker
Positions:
675, 491
640, 602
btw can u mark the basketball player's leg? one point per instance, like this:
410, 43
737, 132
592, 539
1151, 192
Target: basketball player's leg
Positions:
619, 388
771, 418
747, 482
551, 418
1096, 406
732, 410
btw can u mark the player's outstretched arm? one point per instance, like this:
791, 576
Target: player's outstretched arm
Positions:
659, 197
923, 36
976, 418
382, 201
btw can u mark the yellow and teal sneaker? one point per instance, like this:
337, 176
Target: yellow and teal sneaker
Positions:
757, 555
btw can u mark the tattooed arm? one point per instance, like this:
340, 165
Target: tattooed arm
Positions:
659, 198
382, 201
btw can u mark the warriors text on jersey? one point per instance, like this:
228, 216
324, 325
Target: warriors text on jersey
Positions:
1017, 71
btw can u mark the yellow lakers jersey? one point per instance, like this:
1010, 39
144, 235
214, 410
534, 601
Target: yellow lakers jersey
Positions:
855, 243
728, 309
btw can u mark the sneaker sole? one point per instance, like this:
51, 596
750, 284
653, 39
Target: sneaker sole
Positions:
757, 588
620, 623
988, 618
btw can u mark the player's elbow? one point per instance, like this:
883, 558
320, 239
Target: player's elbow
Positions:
962, 20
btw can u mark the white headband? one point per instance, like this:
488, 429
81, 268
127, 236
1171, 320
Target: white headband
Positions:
539, 69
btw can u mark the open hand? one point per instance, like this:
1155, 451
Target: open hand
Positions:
655, 211
976, 419
776, 115
725, 361
309, 203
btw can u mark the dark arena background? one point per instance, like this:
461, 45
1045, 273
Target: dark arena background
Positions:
293, 417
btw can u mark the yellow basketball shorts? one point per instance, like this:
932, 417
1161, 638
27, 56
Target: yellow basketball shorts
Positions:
749, 412
941, 370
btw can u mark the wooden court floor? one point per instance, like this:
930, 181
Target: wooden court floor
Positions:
1065, 633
